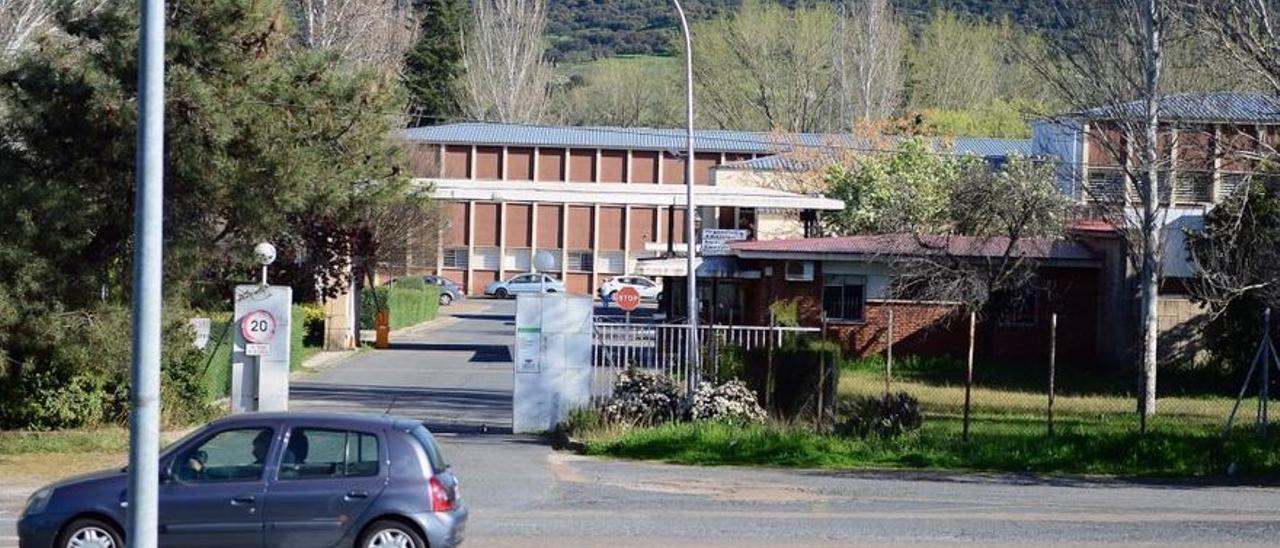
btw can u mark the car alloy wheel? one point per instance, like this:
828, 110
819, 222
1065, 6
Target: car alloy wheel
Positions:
501, 293
392, 534
391, 538
446, 299
91, 534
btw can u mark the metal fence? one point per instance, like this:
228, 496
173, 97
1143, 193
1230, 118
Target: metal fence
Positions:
664, 349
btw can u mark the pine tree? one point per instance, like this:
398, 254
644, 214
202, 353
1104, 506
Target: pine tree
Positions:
433, 66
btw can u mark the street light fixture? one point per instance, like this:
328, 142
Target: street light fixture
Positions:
691, 293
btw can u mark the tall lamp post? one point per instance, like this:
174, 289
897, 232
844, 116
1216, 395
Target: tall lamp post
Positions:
144, 371
691, 293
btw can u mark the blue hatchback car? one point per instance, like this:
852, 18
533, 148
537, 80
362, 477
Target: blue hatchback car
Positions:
272, 479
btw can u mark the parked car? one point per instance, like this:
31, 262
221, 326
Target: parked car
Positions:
272, 480
449, 290
533, 283
648, 289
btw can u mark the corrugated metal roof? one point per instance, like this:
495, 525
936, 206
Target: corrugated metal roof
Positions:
1221, 106
908, 245
706, 140
989, 148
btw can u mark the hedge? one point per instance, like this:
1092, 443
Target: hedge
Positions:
306, 338
407, 302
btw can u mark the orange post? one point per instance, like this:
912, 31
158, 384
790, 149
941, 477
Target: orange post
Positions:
382, 329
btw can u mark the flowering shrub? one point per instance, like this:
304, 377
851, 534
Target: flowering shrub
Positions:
642, 398
731, 401
886, 417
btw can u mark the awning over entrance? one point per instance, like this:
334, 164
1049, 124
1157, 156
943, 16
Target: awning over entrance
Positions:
624, 194
709, 267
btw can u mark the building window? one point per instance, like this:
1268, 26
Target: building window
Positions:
1228, 183
747, 221
1104, 185
581, 261
1193, 188
799, 271
844, 298
455, 257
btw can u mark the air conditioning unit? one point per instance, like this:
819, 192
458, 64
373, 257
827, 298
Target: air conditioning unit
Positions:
799, 271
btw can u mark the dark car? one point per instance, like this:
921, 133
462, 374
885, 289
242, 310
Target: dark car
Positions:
449, 290
272, 479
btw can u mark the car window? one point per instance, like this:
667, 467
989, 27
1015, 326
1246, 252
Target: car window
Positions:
230, 455
315, 453
428, 443
522, 279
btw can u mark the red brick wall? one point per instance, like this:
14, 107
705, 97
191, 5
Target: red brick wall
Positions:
578, 283
611, 228
580, 227
518, 225
457, 224
488, 163
939, 329
549, 224
486, 231
479, 279
582, 165
644, 167
519, 164
642, 226
613, 165
550, 164
457, 163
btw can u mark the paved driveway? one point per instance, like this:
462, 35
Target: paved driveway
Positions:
456, 375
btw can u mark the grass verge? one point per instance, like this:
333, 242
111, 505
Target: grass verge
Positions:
1166, 454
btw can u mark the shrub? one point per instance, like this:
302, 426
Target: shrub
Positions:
79, 375
731, 401
884, 417
312, 321
407, 306
410, 283
641, 398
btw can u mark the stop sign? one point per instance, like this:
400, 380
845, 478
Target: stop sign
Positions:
627, 298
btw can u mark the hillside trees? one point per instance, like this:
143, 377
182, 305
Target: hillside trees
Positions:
507, 76
433, 66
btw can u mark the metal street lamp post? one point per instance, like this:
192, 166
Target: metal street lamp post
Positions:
691, 294
144, 371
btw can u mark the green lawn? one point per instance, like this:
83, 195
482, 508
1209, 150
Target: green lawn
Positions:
1094, 434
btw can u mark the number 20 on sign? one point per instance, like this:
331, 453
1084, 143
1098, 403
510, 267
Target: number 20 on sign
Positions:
258, 327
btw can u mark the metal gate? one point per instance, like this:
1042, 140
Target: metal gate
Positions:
664, 349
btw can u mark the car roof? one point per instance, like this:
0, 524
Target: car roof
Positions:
320, 418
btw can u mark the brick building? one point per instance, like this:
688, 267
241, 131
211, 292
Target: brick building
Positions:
846, 279
602, 199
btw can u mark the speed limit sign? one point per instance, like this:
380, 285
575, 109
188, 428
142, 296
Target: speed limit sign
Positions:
258, 327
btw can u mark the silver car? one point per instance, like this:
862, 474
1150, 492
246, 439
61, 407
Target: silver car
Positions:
532, 284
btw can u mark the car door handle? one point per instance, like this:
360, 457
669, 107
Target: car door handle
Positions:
351, 495
242, 500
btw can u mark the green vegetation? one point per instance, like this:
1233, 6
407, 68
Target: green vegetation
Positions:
409, 302
434, 65
306, 339
1096, 432
1161, 453
264, 142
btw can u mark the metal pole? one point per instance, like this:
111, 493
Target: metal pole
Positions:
144, 424
888, 359
1266, 373
1053, 364
692, 297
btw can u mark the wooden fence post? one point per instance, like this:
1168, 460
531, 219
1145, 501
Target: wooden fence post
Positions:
968, 379
888, 359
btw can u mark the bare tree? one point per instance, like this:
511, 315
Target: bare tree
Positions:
365, 32
1107, 63
23, 21
507, 75
868, 61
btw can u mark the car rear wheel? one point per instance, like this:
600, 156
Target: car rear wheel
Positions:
391, 534
501, 293
446, 299
90, 533
657, 297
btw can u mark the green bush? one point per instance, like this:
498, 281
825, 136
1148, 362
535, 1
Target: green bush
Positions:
78, 375
410, 283
887, 417
407, 306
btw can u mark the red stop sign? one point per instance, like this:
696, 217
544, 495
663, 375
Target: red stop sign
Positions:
628, 298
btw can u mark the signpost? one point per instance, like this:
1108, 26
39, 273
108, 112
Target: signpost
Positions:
715, 241
628, 299
260, 355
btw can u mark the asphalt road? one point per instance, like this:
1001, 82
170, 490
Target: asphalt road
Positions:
456, 375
